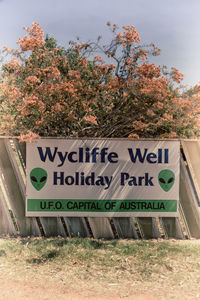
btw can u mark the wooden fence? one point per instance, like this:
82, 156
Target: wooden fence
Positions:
12, 204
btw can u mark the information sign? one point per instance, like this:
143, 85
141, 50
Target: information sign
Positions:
102, 178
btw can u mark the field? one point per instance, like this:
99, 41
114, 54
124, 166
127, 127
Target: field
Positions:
57, 268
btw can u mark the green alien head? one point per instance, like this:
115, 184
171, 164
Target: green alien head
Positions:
38, 178
166, 179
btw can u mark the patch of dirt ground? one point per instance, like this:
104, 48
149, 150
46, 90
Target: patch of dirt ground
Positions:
45, 283
20, 289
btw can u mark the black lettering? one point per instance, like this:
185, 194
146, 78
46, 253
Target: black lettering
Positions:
138, 155
70, 157
43, 156
56, 178
70, 205
43, 205
107, 205
113, 157
58, 205
162, 205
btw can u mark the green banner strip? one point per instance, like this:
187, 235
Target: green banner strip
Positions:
73, 205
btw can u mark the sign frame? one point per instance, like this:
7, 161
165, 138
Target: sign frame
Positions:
107, 151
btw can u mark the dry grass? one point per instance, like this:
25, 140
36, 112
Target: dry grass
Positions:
167, 269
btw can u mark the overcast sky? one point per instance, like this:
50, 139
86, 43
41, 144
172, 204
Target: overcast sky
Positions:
173, 25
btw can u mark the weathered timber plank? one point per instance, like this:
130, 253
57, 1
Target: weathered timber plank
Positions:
125, 228
21, 151
189, 201
31, 223
6, 224
172, 227
148, 228
191, 151
185, 227
15, 196
15, 167
77, 226
52, 227
101, 228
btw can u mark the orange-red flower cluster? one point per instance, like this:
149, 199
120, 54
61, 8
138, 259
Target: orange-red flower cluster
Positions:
34, 39
51, 93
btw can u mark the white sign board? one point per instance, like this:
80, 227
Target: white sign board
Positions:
104, 178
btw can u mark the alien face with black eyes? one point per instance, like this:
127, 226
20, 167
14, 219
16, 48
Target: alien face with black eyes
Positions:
166, 179
38, 178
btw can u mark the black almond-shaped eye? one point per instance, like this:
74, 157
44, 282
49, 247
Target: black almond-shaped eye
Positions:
43, 179
33, 178
162, 180
171, 180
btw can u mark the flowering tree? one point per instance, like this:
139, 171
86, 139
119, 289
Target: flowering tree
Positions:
47, 90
